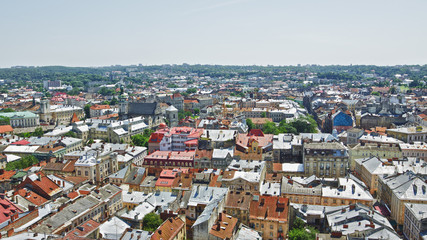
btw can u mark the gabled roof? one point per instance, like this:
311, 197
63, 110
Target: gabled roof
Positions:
31, 196
6, 128
169, 229
271, 208
41, 182
7, 208
224, 226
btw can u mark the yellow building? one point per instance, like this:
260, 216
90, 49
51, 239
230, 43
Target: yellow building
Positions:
409, 134
396, 190
380, 150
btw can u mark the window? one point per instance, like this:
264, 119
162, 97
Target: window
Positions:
271, 226
86, 173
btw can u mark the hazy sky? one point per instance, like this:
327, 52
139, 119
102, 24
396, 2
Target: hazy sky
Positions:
242, 32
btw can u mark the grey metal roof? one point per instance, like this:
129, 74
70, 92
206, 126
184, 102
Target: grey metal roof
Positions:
135, 234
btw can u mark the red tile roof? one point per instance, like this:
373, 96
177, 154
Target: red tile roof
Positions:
7, 208
99, 107
169, 229
165, 182
22, 142
7, 175
6, 129
224, 226
43, 183
271, 208
31, 196
156, 137
83, 230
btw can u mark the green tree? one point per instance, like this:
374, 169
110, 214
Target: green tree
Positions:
191, 90
196, 111
4, 120
24, 162
142, 139
114, 101
298, 223
270, 128
250, 124
263, 114
106, 91
87, 110
375, 93
38, 132
300, 232
151, 222
392, 90
7, 110
71, 134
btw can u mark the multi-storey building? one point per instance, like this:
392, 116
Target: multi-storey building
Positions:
99, 110
396, 190
237, 205
415, 150
253, 144
328, 159
99, 205
181, 139
415, 223
172, 159
22, 119
409, 134
379, 150
96, 168
269, 215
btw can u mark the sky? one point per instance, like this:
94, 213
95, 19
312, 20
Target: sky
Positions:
233, 32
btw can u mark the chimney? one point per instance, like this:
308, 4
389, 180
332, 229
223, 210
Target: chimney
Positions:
10, 232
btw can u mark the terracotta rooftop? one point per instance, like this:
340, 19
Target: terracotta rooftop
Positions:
31, 196
224, 226
83, 230
5, 128
169, 229
239, 200
99, 107
7, 209
271, 208
7, 175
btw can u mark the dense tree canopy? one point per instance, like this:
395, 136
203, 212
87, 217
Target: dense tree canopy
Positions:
300, 232
24, 162
302, 125
151, 222
142, 139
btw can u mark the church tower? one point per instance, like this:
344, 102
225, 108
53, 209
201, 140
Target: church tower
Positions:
123, 106
172, 116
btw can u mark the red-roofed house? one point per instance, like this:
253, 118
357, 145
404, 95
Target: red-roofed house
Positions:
168, 178
173, 159
253, 145
21, 142
99, 110
6, 129
171, 229
180, 138
225, 227
7, 209
42, 185
269, 215
30, 198
87, 230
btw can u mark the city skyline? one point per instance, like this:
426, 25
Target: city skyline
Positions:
240, 32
